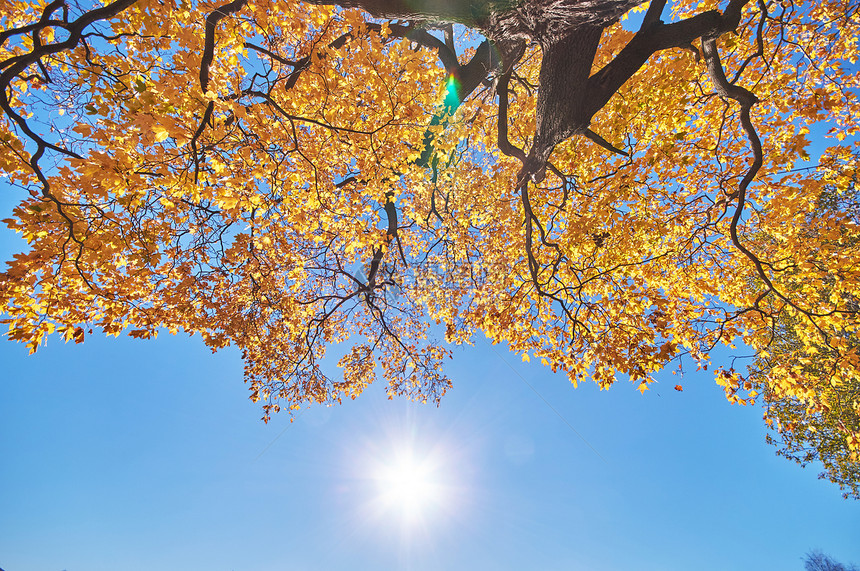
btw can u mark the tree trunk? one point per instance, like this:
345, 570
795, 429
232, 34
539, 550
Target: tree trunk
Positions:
563, 83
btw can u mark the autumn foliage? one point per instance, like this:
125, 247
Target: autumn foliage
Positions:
285, 177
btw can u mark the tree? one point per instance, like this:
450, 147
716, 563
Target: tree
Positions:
818, 561
288, 176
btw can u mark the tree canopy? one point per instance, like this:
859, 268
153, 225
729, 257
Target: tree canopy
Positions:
817, 561
811, 406
288, 176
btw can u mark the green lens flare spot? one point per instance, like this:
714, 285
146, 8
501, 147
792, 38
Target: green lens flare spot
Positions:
452, 93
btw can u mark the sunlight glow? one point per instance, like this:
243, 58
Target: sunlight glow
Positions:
412, 486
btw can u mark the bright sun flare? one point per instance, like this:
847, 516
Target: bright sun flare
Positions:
410, 485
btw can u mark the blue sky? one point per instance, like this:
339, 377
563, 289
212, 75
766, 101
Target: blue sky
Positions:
126, 455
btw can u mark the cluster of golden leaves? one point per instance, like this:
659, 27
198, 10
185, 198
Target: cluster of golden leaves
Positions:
812, 396
257, 226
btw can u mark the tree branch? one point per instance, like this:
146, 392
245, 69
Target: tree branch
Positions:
594, 137
648, 41
212, 20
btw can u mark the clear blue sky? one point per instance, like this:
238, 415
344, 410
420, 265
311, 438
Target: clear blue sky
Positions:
134, 455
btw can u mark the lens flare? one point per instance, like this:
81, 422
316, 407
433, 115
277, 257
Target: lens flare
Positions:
452, 93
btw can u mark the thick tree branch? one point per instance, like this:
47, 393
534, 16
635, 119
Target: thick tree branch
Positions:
424, 38
648, 41
468, 12
467, 78
419, 36
504, 143
212, 20
746, 99
205, 64
595, 138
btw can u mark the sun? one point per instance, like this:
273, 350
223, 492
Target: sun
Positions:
410, 485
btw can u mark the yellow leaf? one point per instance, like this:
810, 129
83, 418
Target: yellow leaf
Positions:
160, 133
